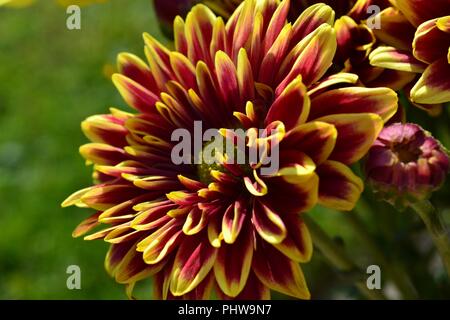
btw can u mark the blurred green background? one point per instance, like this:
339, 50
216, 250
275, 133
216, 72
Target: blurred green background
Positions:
52, 78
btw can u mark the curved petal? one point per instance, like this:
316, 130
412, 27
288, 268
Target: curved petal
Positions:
434, 85
160, 243
291, 107
278, 272
196, 220
339, 187
268, 223
233, 220
430, 43
396, 31
253, 290
86, 225
134, 94
314, 138
310, 19
356, 134
297, 245
391, 58
233, 264
104, 197
133, 67
381, 101
313, 56
292, 198
227, 79
105, 129
195, 258
199, 29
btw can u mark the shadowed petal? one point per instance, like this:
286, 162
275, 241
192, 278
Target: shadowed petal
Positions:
418, 11
297, 245
278, 272
356, 133
396, 31
268, 223
316, 139
430, 43
339, 187
233, 220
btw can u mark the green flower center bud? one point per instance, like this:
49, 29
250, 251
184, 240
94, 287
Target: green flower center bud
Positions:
214, 153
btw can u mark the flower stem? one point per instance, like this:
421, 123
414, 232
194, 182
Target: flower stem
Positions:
395, 272
435, 225
339, 258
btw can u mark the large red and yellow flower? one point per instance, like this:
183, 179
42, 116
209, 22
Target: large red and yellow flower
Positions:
419, 31
228, 226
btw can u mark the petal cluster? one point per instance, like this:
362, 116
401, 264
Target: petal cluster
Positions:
423, 49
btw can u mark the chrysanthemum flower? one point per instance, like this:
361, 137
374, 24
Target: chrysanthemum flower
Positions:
423, 49
227, 226
406, 164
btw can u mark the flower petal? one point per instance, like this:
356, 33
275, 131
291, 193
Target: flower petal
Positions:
356, 133
381, 101
233, 264
134, 94
86, 225
314, 57
391, 58
291, 107
253, 290
310, 19
105, 197
396, 31
339, 187
314, 138
233, 220
268, 223
430, 43
199, 28
434, 85
227, 79
160, 243
418, 11
278, 272
133, 67
195, 258
297, 245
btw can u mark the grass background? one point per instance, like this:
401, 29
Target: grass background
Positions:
52, 78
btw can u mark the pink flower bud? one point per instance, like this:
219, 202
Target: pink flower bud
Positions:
406, 164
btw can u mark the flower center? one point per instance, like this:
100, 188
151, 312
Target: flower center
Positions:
406, 153
213, 156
